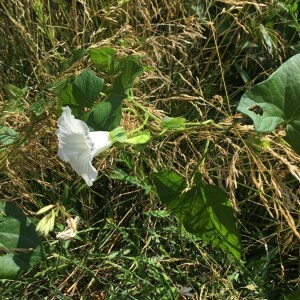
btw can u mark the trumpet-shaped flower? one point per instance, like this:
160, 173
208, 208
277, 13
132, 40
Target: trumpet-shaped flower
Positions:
78, 146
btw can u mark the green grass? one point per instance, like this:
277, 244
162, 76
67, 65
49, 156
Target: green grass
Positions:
202, 55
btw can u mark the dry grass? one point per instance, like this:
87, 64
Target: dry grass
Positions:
193, 59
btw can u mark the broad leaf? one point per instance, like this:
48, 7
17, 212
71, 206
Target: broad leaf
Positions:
115, 98
66, 98
7, 135
20, 245
86, 88
204, 210
99, 115
276, 101
130, 71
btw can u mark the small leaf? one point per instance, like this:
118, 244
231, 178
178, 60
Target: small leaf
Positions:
139, 138
118, 135
204, 210
276, 101
76, 56
14, 101
7, 135
103, 58
121, 175
21, 245
56, 87
40, 105
13, 92
86, 88
173, 123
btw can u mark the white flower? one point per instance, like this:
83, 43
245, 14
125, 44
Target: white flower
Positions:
70, 231
78, 146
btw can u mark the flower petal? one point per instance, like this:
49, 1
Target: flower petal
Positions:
101, 141
78, 146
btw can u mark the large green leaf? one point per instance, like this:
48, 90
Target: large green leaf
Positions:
20, 246
204, 210
130, 71
66, 98
86, 88
276, 101
97, 116
115, 98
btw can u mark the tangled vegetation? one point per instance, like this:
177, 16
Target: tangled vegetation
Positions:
199, 58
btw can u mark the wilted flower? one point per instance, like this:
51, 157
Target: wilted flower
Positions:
71, 230
78, 146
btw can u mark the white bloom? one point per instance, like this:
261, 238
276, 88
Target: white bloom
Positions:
78, 146
70, 231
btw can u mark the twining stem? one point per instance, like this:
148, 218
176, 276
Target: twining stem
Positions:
130, 98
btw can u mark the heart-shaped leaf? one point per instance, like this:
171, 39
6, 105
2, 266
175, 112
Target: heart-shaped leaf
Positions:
20, 246
130, 71
98, 116
204, 210
86, 88
276, 101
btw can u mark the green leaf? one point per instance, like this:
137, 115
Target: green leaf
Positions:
115, 98
7, 135
173, 123
40, 105
99, 115
130, 71
204, 210
66, 98
20, 245
169, 186
13, 92
56, 87
293, 296
121, 175
103, 58
76, 56
118, 135
276, 101
139, 138
14, 101
86, 88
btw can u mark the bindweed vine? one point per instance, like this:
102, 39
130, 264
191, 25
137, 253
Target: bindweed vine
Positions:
89, 123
